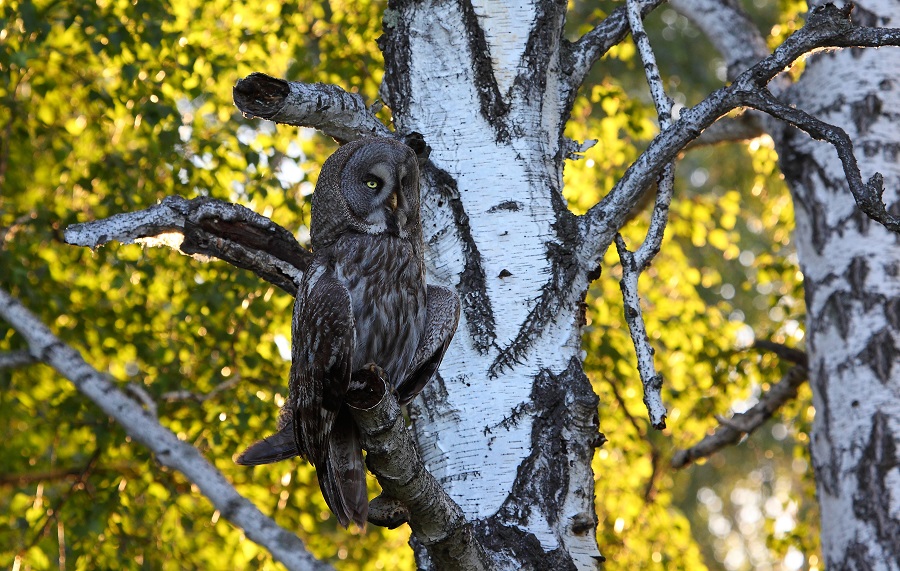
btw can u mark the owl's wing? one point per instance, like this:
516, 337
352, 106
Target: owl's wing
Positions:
325, 433
322, 345
441, 318
322, 341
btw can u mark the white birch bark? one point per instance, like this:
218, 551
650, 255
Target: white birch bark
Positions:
851, 267
513, 409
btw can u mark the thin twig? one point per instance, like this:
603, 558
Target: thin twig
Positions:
868, 195
633, 264
16, 359
173, 396
585, 52
795, 356
742, 128
733, 429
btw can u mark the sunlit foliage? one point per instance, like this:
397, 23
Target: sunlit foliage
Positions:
109, 106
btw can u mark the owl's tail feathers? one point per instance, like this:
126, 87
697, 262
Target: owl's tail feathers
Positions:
342, 475
279, 446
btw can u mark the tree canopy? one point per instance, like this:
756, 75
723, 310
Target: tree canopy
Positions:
111, 106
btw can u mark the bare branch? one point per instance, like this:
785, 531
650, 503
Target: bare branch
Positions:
651, 380
827, 26
634, 264
732, 430
795, 356
437, 522
141, 425
868, 195
205, 227
16, 359
584, 53
328, 108
174, 396
742, 128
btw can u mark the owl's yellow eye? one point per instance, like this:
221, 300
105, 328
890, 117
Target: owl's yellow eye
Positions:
372, 183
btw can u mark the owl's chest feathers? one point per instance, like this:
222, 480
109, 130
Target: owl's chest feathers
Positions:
386, 282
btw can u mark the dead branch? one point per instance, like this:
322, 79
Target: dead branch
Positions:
205, 227
733, 429
328, 108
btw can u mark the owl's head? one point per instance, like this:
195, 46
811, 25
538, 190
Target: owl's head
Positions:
369, 186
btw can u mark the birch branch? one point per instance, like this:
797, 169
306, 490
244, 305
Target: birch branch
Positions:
584, 53
733, 429
205, 227
169, 450
741, 128
328, 108
826, 27
868, 195
409, 490
174, 396
15, 359
633, 264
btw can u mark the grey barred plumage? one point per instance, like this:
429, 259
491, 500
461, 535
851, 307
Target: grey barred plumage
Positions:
362, 301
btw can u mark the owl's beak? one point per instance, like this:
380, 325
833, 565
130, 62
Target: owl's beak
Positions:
392, 202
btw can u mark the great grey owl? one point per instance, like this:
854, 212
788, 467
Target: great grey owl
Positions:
362, 301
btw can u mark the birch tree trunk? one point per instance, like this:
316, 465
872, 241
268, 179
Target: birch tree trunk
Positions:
851, 268
511, 426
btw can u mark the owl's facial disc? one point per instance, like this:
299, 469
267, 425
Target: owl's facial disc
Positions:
391, 179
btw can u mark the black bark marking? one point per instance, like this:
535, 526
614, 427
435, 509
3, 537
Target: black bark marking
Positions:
543, 43
827, 469
799, 168
856, 558
508, 205
472, 287
856, 274
564, 270
493, 108
563, 403
863, 17
837, 310
525, 547
872, 502
865, 112
434, 400
394, 45
880, 354
892, 312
